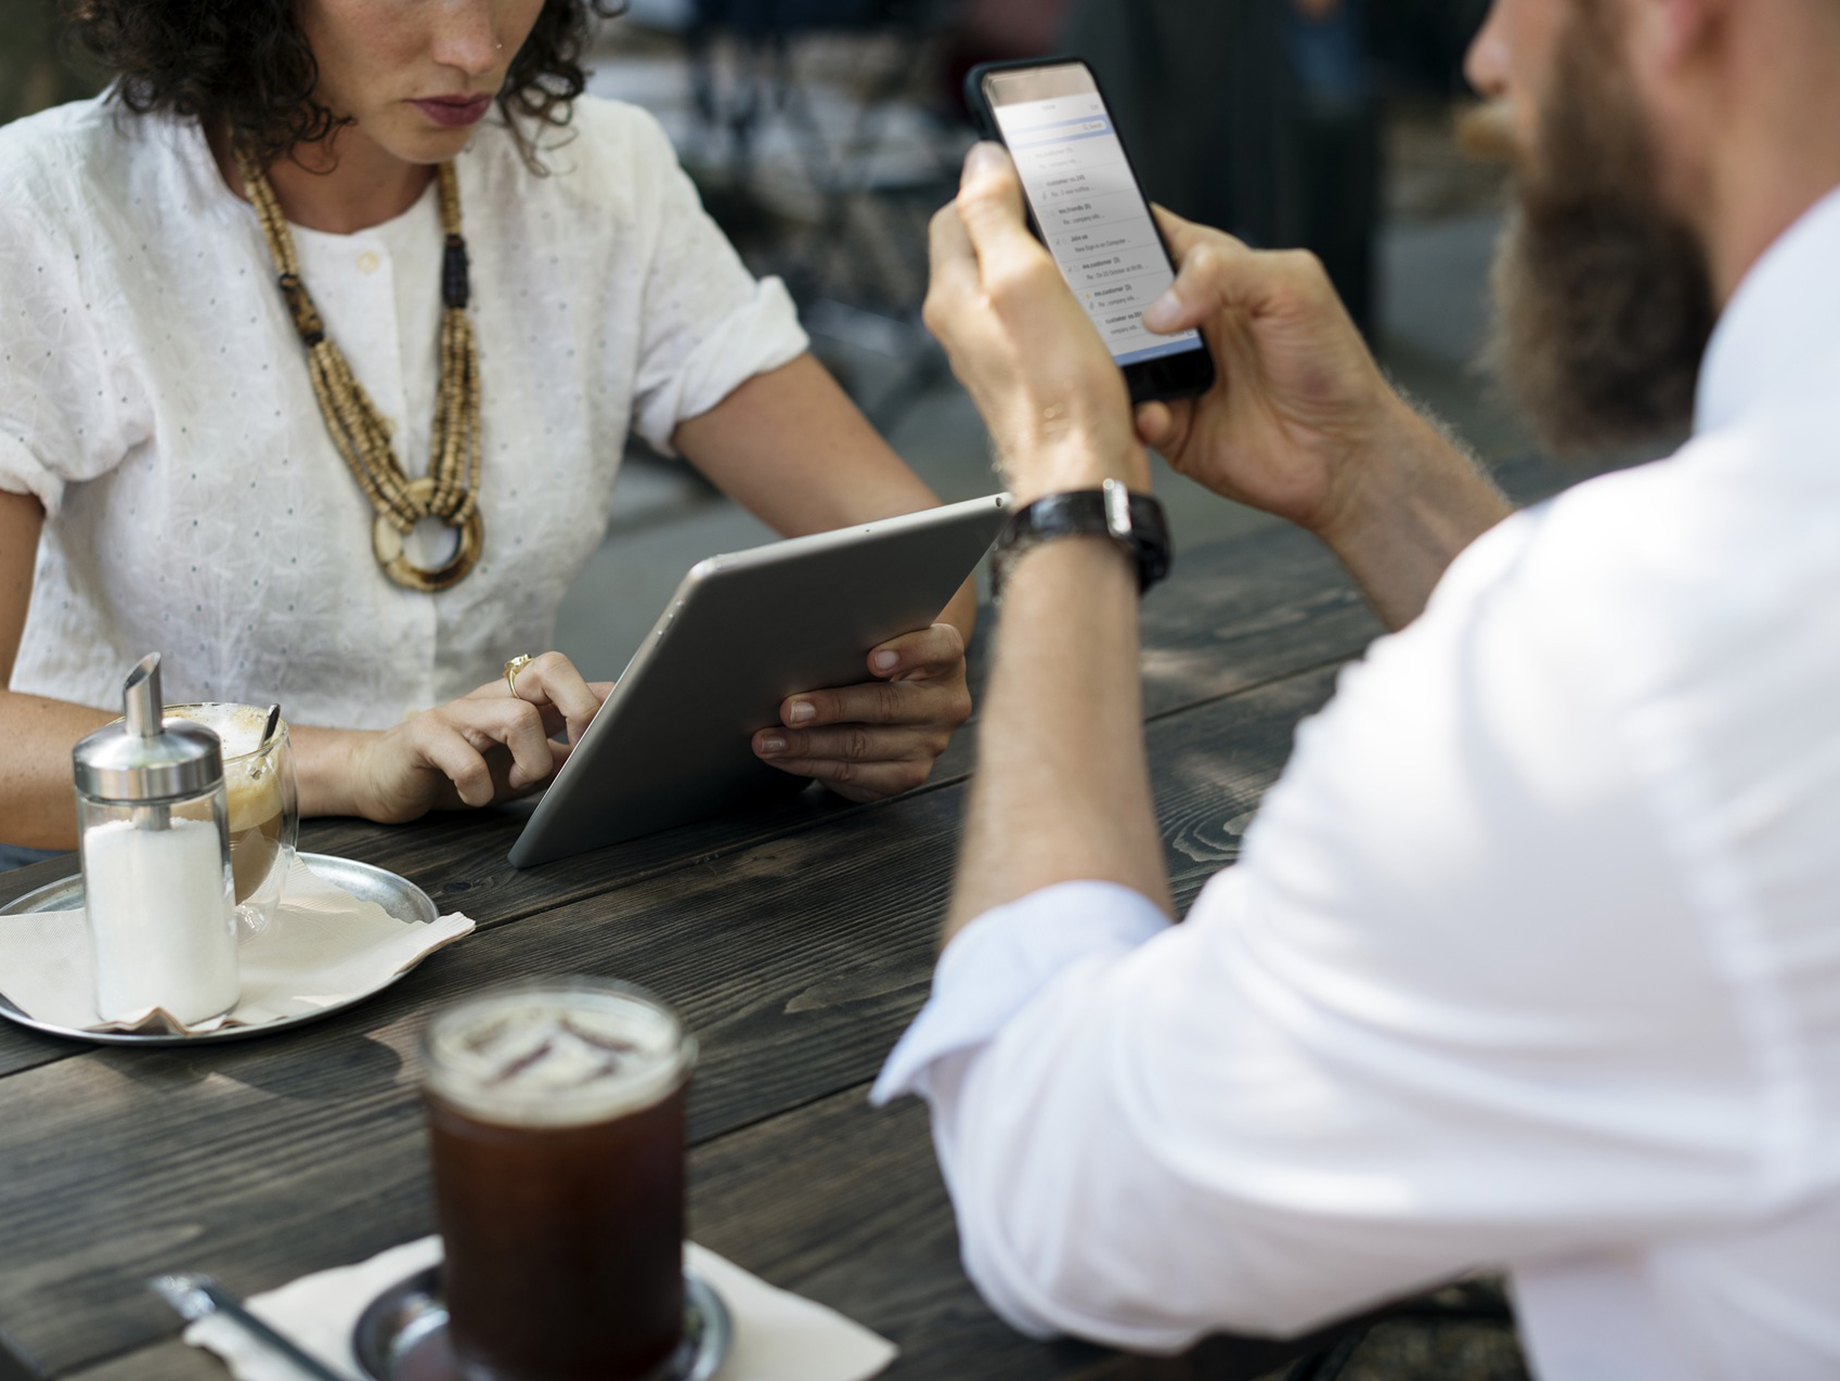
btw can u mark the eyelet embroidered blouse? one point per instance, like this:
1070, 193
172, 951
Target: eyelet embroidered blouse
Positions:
154, 396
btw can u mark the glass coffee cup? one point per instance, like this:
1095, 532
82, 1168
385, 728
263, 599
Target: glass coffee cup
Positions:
264, 804
556, 1126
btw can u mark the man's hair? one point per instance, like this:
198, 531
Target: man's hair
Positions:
246, 64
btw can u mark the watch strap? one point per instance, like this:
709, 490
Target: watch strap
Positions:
1134, 521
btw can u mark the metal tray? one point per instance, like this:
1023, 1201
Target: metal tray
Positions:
402, 1334
396, 895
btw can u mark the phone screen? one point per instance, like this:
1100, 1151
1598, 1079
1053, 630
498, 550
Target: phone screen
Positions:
1086, 202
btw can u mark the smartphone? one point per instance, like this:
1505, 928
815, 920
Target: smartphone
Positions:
1086, 206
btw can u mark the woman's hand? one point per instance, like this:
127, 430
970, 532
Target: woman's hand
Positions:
882, 737
487, 746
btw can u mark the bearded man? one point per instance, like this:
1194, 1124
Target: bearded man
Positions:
1532, 958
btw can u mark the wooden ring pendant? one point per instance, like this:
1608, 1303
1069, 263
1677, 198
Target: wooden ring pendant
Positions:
387, 542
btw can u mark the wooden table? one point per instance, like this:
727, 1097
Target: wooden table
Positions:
797, 940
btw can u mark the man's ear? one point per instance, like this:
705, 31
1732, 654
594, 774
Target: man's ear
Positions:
1665, 35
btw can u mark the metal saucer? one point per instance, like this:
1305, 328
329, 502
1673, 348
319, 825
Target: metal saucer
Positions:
402, 1334
396, 895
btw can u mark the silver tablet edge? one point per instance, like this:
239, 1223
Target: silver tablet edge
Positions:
723, 562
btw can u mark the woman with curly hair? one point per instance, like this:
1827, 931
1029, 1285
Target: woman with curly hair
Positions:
320, 334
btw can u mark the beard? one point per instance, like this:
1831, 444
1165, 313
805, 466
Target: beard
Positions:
1603, 294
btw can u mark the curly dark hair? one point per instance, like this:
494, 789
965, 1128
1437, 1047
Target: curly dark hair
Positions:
246, 63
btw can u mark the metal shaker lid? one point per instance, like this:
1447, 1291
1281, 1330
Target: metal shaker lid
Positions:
142, 759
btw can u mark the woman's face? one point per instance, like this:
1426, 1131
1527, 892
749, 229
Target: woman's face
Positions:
416, 75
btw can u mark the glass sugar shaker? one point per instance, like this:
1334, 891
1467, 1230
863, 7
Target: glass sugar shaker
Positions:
154, 834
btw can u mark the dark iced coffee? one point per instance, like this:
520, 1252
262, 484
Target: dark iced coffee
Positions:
556, 1127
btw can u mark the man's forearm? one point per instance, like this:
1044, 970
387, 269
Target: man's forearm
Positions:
1414, 503
1062, 791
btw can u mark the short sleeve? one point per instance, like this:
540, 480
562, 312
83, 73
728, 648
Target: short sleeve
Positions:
62, 414
709, 325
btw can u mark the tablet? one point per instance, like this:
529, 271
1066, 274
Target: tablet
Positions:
674, 740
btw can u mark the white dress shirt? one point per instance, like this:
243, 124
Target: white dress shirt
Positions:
155, 397
1531, 958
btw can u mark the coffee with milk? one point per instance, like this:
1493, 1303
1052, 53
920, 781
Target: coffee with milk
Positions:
256, 785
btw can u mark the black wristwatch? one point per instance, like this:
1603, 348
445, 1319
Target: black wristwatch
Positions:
1134, 521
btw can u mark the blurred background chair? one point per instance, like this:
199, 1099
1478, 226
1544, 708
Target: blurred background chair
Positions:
1264, 117
821, 149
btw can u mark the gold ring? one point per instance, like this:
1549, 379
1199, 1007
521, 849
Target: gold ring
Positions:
512, 668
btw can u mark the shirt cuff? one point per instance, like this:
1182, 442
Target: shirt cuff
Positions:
21, 472
996, 965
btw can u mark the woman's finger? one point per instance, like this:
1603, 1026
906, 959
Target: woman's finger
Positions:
493, 722
519, 726
441, 745
923, 654
918, 700
860, 781
858, 743
551, 680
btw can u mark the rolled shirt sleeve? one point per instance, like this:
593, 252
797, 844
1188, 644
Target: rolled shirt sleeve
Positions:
1003, 959
21, 471
709, 325
69, 409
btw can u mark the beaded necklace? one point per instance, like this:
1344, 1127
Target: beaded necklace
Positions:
361, 433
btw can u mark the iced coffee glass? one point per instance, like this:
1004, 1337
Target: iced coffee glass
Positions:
264, 804
556, 1130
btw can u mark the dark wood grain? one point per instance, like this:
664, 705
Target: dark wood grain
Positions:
843, 1204
797, 961
879, 1244
167, 1360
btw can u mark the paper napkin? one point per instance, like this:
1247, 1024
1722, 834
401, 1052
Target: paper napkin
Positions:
323, 948
777, 1336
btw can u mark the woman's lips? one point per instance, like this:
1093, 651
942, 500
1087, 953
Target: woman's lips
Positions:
454, 111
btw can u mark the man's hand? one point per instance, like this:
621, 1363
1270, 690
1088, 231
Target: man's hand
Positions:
1298, 405
882, 737
484, 747
1054, 401
1301, 423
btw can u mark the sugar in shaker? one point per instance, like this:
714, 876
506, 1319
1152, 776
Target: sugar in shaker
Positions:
153, 829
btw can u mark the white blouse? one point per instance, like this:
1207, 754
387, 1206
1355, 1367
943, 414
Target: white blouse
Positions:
154, 396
